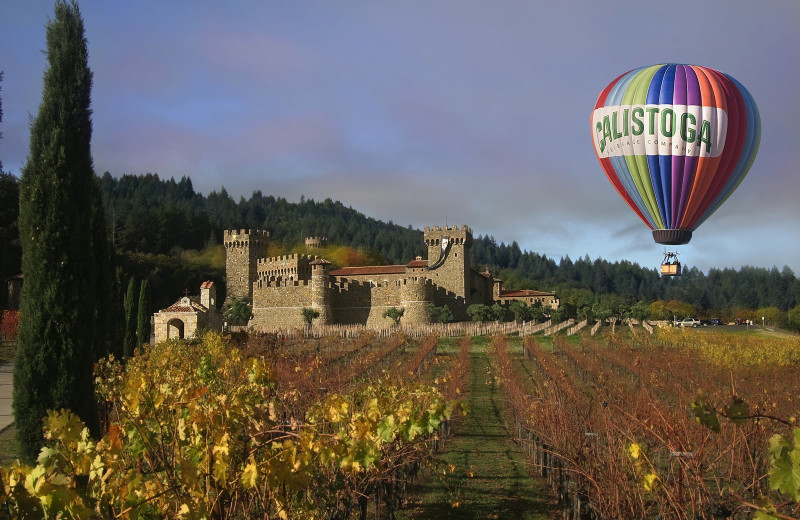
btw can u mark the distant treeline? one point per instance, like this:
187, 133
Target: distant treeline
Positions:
154, 224
746, 288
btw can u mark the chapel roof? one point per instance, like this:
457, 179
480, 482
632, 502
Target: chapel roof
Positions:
186, 304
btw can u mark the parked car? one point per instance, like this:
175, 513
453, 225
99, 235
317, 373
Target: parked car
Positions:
713, 322
690, 322
743, 321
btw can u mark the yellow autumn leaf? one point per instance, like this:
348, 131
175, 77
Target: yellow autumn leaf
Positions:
250, 475
220, 471
650, 481
634, 450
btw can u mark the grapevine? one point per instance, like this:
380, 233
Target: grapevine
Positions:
195, 430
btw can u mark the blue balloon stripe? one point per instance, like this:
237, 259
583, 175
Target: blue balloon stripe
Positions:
654, 92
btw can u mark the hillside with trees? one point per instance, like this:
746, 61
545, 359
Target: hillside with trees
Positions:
168, 233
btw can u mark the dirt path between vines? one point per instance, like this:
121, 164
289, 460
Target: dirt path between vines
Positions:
491, 478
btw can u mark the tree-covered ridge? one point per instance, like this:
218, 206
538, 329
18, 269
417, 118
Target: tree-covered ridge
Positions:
157, 223
151, 215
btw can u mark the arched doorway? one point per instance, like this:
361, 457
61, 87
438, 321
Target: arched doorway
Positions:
175, 329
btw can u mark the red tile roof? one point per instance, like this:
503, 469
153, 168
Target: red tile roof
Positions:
367, 270
207, 284
417, 263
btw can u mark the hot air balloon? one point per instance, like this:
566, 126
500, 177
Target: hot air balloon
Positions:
675, 141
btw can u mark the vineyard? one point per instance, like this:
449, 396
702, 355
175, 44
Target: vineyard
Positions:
670, 425
675, 424
270, 428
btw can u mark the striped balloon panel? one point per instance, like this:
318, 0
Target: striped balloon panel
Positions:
675, 141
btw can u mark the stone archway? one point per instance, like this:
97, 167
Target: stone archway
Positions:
175, 328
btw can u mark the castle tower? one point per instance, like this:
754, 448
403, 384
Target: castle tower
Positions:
243, 249
497, 289
416, 294
319, 290
208, 296
316, 242
448, 265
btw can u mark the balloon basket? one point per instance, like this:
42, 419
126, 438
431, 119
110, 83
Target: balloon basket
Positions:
670, 266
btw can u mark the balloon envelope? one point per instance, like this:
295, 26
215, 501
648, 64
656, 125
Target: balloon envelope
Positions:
675, 141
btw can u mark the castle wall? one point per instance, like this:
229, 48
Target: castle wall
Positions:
280, 306
417, 295
364, 302
481, 288
547, 300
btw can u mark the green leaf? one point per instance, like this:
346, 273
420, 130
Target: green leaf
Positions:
737, 411
367, 455
785, 474
779, 445
46, 455
387, 429
413, 430
767, 508
705, 415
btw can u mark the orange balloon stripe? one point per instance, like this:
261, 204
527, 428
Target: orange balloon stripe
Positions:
734, 141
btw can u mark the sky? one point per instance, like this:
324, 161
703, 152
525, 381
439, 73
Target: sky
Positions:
422, 112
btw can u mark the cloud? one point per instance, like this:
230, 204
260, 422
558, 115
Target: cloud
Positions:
417, 112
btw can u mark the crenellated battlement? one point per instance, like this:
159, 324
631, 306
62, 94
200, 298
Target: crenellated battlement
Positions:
433, 236
279, 284
417, 280
234, 237
448, 229
291, 258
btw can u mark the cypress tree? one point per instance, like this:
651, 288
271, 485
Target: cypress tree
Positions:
60, 223
117, 316
104, 273
131, 298
143, 329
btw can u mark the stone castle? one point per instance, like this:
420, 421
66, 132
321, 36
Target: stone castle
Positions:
280, 287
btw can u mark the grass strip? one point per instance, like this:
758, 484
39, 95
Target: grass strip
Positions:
486, 475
